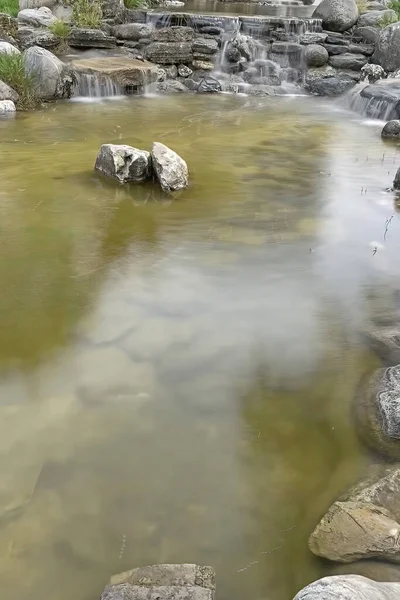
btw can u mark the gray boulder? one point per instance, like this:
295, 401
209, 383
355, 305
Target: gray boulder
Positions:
52, 79
368, 34
7, 93
326, 81
90, 38
168, 574
312, 38
7, 106
184, 71
174, 34
387, 49
123, 163
209, 85
396, 181
348, 61
170, 169
315, 55
204, 46
377, 411
372, 73
337, 15
37, 37
373, 18
171, 87
36, 17
349, 587
385, 341
132, 31
7, 48
169, 52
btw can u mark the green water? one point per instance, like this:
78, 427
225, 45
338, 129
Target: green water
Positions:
177, 374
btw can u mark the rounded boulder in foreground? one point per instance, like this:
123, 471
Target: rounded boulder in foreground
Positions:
391, 130
315, 55
170, 169
349, 587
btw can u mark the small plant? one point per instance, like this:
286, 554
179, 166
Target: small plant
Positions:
87, 13
387, 20
363, 6
10, 7
395, 5
142, 4
12, 72
61, 29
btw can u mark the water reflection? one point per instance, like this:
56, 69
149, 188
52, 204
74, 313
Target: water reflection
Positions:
180, 372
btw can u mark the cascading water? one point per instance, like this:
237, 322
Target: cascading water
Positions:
380, 100
92, 85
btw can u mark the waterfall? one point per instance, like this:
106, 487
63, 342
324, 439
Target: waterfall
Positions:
91, 85
380, 100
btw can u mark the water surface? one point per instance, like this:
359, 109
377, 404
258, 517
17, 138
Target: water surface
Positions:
177, 374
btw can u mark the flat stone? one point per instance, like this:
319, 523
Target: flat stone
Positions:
125, 591
90, 38
385, 341
312, 38
285, 48
43, 38
174, 34
335, 49
348, 61
168, 574
124, 71
369, 34
132, 31
169, 52
204, 45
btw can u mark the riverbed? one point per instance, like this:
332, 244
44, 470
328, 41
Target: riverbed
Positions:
177, 372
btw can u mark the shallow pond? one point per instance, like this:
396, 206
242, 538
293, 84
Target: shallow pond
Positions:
177, 375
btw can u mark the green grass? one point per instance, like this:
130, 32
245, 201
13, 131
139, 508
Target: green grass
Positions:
10, 7
395, 5
61, 29
140, 4
87, 13
386, 20
12, 72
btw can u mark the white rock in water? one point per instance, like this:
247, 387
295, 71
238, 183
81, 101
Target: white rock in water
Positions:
7, 106
349, 587
123, 163
7, 48
171, 170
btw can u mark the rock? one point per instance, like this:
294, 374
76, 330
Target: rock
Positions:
51, 78
7, 93
173, 34
312, 38
286, 48
373, 18
125, 591
382, 489
348, 61
211, 30
365, 49
335, 49
123, 163
90, 38
369, 34
171, 87
126, 72
37, 37
6, 48
315, 55
385, 341
372, 73
209, 85
202, 65
261, 90
169, 52
36, 17
349, 587
205, 45
384, 94
337, 38
396, 181
176, 575
7, 106
325, 81
171, 71
36, 3
170, 169
387, 49
337, 15
377, 410
132, 31
353, 530
184, 71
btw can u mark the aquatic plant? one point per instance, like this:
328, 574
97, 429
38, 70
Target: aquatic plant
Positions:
87, 13
10, 7
12, 72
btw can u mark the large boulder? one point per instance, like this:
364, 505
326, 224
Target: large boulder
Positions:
326, 81
123, 163
389, 345
174, 34
209, 85
129, 73
349, 587
374, 18
7, 93
36, 17
7, 48
348, 61
132, 31
381, 99
168, 53
315, 55
337, 15
387, 49
377, 411
202, 45
52, 79
90, 38
170, 169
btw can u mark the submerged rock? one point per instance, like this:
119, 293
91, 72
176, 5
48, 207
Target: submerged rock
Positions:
7, 106
349, 587
125, 591
337, 15
385, 341
170, 169
377, 409
123, 163
52, 79
36, 17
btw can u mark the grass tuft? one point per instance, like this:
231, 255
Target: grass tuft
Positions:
387, 20
141, 4
12, 72
87, 13
10, 7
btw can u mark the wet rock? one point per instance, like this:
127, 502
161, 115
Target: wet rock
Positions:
171, 71
176, 575
184, 71
6, 48
387, 50
348, 61
353, 530
132, 31
52, 79
369, 34
261, 90
337, 15
326, 81
377, 411
349, 587
373, 18
385, 341
170, 169
7, 93
205, 46
315, 55
174, 34
365, 49
125, 591
312, 38
90, 38
124, 72
202, 65
209, 85
232, 54
171, 87
337, 38
212, 30
123, 163
169, 52
286, 48
396, 181
37, 37
36, 17
7, 106
372, 73
376, 570
335, 49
